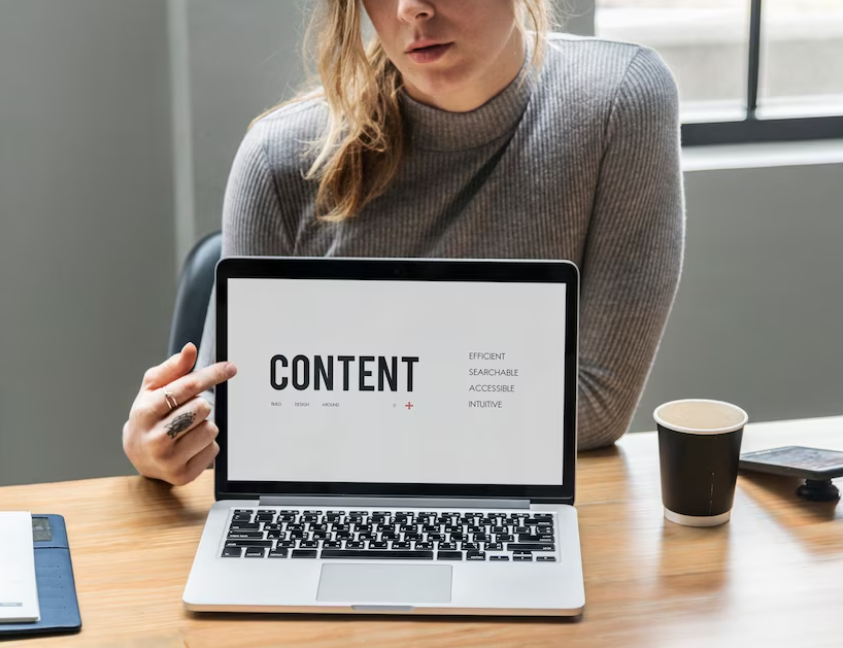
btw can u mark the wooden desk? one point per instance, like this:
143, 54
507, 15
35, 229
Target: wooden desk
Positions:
773, 576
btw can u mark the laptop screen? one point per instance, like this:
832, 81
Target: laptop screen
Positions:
397, 382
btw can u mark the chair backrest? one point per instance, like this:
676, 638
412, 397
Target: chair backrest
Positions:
194, 291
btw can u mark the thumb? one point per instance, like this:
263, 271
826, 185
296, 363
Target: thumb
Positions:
172, 368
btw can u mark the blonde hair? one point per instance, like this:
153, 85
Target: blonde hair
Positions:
364, 142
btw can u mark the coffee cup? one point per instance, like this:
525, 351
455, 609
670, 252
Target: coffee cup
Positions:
699, 454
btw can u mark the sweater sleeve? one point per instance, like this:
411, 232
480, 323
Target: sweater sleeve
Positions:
252, 224
634, 250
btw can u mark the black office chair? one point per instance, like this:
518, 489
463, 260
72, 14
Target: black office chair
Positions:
194, 291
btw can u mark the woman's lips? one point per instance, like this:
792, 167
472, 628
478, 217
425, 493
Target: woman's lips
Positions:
429, 54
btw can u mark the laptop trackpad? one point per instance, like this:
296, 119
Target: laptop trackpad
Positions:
390, 584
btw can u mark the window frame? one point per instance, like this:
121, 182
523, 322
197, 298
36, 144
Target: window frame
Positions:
751, 128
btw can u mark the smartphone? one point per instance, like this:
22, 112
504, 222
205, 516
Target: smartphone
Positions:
795, 461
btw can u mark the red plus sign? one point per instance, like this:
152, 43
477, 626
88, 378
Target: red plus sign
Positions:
409, 406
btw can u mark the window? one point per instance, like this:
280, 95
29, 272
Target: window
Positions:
747, 70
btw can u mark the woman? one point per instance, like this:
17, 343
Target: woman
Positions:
458, 133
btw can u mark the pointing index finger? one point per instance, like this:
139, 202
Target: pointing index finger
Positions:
192, 385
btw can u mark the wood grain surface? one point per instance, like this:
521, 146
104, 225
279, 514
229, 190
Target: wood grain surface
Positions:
772, 576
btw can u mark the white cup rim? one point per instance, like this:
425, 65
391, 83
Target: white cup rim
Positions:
690, 430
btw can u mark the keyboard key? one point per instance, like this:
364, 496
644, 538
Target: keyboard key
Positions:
522, 558
530, 546
371, 554
355, 544
255, 552
424, 545
232, 552
378, 545
245, 526
308, 544
278, 553
475, 555
449, 555
402, 545
304, 553
286, 544
494, 546
447, 546
245, 535
470, 546
248, 543
333, 544
535, 537
499, 558
545, 558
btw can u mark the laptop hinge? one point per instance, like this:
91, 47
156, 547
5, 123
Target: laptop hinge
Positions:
393, 502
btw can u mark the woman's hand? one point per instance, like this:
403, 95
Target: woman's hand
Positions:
168, 436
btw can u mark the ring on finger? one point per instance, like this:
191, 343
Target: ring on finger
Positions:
172, 403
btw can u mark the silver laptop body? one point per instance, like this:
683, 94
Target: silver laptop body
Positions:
400, 439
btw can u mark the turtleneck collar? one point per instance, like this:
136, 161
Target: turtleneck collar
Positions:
434, 129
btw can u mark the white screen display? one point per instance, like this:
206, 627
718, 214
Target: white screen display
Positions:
396, 381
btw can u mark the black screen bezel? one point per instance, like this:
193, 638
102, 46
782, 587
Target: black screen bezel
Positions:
354, 269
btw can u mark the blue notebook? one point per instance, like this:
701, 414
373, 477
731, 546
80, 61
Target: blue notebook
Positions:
54, 575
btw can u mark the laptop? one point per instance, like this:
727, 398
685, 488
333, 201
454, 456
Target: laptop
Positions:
400, 438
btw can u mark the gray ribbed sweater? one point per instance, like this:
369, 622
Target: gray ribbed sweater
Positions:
591, 174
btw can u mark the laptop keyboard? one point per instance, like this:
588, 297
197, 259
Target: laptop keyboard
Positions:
390, 535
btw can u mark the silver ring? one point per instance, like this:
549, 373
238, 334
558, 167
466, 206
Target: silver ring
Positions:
171, 402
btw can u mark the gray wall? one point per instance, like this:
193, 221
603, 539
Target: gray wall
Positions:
118, 123
86, 228
759, 312
244, 57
